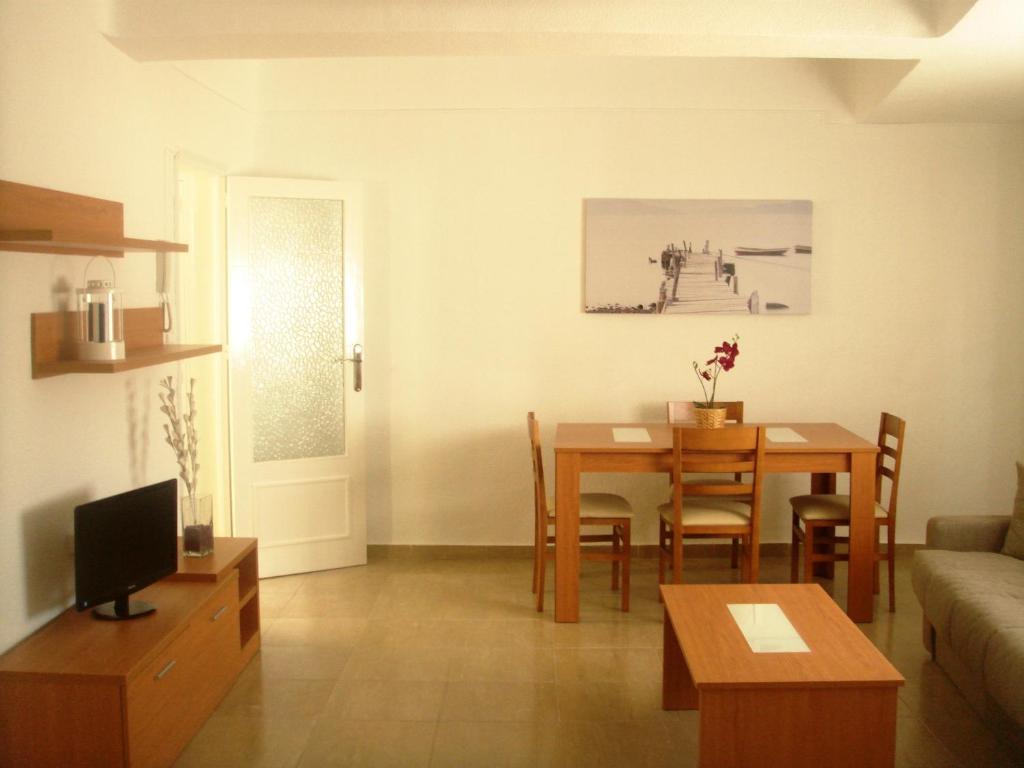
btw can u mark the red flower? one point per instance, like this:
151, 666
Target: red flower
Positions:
724, 360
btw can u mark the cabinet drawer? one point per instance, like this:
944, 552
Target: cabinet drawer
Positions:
155, 705
172, 697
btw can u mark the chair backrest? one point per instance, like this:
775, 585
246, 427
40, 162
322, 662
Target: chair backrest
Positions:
540, 497
681, 411
731, 449
890, 457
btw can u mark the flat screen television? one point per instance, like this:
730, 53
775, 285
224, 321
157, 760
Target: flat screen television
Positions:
122, 544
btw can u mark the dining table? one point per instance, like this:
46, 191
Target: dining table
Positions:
821, 450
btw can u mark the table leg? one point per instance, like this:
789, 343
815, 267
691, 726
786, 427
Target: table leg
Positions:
677, 689
567, 536
823, 482
860, 598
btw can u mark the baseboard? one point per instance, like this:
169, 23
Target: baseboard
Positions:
639, 551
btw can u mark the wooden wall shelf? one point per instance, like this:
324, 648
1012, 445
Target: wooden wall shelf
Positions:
40, 220
53, 344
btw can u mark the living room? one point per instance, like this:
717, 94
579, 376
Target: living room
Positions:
476, 136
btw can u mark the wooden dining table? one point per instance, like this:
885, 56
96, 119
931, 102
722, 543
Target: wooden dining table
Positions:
822, 451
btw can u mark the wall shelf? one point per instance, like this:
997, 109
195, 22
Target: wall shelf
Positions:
40, 220
53, 344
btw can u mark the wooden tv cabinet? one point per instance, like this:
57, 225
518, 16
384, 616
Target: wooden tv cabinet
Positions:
85, 692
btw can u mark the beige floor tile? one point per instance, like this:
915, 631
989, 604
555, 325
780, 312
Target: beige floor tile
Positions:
637, 633
400, 664
917, 747
496, 745
247, 742
518, 665
336, 632
282, 585
373, 744
582, 665
272, 604
499, 702
533, 632
301, 662
414, 633
415, 656
306, 604
616, 744
595, 701
385, 700
256, 695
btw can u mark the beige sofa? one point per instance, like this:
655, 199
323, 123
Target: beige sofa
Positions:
973, 601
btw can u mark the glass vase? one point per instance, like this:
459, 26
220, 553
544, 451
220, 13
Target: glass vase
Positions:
197, 526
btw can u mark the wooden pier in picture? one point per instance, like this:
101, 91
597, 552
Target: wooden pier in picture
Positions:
698, 282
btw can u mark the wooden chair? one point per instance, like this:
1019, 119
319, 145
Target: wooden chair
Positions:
822, 514
729, 509
596, 509
681, 412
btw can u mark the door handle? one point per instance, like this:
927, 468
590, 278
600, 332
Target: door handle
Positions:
357, 366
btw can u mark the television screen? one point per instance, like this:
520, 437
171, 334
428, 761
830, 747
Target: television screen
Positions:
122, 544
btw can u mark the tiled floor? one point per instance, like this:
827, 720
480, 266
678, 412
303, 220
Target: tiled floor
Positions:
407, 662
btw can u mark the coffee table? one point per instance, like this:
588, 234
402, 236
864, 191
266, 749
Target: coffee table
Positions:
834, 704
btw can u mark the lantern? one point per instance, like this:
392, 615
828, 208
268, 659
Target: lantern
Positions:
100, 320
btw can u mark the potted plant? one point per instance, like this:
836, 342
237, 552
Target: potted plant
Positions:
706, 413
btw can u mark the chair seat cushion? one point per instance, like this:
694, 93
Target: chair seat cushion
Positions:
827, 506
709, 512
599, 505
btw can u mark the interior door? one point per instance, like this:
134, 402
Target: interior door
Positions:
295, 323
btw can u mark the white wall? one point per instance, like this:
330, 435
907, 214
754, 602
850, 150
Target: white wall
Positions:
474, 278
79, 116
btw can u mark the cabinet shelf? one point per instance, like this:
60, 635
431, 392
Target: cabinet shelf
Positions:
40, 220
231, 555
53, 352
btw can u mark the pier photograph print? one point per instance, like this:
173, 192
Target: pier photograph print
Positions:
691, 256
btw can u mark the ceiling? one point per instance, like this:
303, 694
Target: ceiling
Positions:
900, 61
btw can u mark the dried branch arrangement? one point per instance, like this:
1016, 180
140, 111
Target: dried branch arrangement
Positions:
180, 432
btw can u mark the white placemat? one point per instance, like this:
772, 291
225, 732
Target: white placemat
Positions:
631, 435
785, 435
766, 628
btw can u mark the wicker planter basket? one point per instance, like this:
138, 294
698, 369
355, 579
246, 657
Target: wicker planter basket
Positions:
709, 418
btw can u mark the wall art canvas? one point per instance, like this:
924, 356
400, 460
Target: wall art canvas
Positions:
698, 256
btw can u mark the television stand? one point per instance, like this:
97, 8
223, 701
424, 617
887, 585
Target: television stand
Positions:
133, 693
122, 609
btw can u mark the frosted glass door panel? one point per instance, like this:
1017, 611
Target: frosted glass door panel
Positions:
297, 331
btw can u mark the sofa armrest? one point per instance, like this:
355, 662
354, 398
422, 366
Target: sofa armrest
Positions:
967, 533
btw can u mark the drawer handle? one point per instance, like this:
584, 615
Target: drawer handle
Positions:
163, 672
219, 613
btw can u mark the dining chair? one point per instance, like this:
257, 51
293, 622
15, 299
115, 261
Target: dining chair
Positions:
716, 508
682, 412
821, 514
596, 509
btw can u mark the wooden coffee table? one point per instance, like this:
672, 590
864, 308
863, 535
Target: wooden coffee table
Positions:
833, 705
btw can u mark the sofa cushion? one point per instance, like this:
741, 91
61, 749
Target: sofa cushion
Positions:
1004, 671
1014, 545
968, 597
